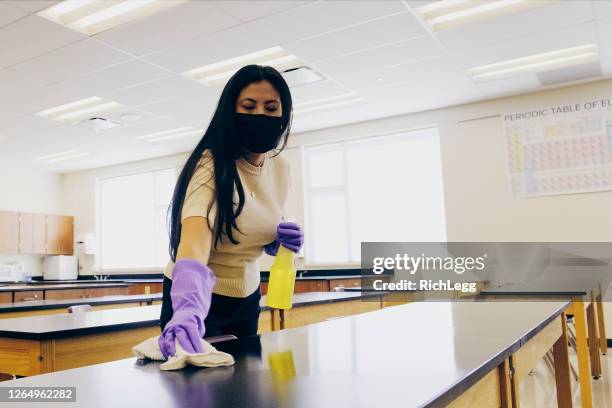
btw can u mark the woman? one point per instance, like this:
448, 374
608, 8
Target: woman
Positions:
226, 208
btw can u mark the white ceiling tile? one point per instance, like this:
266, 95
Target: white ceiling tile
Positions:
513, 27
10, 13
363, 36
168, 28
235, 42
118, 76
417, 3
187, 110
72, 60
159, 90
317, 90
12, 83
435, 73
602, 8
374, 59
320, 17
604, 29
31, 37
247, 10
524, 46
509, 86
33, 5
605, 52
20, 125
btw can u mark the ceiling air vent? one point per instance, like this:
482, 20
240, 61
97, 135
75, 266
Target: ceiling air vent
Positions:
301, 76
98, 124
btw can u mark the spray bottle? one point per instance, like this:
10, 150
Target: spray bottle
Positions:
282, 278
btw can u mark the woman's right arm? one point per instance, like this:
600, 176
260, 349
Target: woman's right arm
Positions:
191, 292
195, 241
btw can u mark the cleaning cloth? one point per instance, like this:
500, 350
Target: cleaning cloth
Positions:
211, 357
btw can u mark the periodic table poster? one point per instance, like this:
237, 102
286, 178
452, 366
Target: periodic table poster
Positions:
561, 149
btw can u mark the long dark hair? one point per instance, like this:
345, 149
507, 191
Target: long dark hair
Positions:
220, 139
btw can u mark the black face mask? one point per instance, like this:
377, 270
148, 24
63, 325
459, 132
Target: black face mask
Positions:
258, 133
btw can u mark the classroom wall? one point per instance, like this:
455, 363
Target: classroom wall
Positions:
79, 196
479, 206
28, 190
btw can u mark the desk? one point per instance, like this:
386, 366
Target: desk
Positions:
55, 306
434, 354
587, 308
40, 344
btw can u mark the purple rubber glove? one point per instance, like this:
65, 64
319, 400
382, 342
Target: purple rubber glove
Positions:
289, 235
191, 292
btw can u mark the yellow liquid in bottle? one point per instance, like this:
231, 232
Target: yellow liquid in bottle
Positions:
282, 280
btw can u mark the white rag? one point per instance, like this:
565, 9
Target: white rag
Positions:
211, 357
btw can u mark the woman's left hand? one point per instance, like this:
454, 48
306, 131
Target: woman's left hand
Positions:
289, 235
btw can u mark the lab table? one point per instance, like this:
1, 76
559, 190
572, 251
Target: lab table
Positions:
38, 344
430, 354
586, 306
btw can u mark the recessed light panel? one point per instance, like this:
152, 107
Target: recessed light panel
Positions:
74, 112
172, 134
94, 16
218, 73
547, 61
446, 14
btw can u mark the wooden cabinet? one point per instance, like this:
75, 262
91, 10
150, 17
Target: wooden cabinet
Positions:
145, 288
59, 235
9, 232
6, 297
62, 294
38, 234
99, 292
344, 283
32, 233
27, 295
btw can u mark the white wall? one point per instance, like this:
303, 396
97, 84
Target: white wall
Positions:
28, 190
79, 195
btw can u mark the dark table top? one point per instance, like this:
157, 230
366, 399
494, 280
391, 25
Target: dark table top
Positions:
65, 303
416, 355
99, 321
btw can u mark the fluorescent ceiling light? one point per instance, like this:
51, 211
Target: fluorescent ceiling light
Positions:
74, 112
172, 134
537, 63
330, 103
92, 17
218, 73
62, 156
447, 14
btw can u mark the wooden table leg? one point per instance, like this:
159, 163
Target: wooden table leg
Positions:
514, 385
272, 319
582, 349
562, 369
603, 339
505, 386
281, 318
593, 341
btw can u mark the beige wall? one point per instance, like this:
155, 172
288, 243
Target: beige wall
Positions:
28, 190
479, 206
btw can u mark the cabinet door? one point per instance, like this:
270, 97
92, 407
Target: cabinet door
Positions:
66, 238
27, 295
9, 232
26, 228
57, 294
53, 235
39, 233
